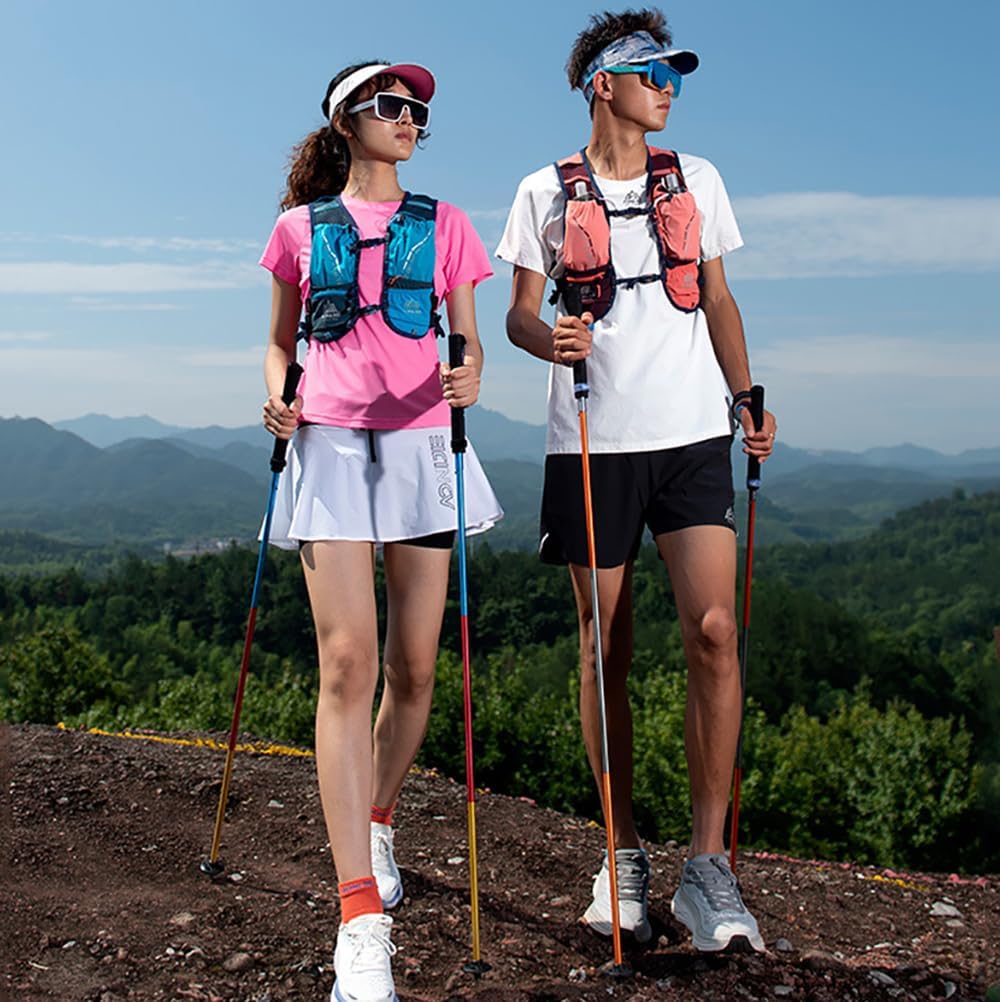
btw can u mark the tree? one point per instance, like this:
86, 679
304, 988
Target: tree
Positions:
55, 675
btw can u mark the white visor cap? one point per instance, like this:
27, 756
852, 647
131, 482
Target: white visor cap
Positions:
419, 79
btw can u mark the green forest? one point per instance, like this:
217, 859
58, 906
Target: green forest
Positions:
873, 689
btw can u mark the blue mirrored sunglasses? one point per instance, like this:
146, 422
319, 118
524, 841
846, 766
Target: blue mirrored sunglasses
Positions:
657, 75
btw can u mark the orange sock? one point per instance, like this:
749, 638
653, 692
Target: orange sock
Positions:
358, 897
382, 815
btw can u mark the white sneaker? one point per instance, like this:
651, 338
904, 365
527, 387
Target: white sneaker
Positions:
362, 961
632, 866
708, 902
384, 869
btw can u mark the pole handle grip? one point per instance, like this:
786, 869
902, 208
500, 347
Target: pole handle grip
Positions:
757, 416
573, 301
292, 376
456, 358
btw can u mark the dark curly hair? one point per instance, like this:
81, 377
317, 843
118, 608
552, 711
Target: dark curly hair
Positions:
319, 165
606, 28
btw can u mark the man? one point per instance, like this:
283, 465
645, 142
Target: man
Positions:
634, 238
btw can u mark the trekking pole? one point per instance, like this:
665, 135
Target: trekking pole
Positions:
753, 485
456, 357
573, 301
213, 866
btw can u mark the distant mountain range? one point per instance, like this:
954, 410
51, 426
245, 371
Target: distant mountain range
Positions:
142, 490
495, 435
97, 479
499, 437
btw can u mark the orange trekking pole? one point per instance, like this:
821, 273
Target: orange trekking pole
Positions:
756, 406
573, 301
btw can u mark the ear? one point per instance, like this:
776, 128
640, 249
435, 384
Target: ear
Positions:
340, 126
602, 85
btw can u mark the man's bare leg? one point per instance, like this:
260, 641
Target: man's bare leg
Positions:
701, 561
614, 587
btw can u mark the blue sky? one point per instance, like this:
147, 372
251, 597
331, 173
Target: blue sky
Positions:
144, 149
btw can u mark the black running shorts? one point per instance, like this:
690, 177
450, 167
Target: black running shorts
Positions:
666, 490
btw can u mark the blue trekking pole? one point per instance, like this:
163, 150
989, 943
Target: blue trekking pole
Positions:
213, 866
456, 358
756, 406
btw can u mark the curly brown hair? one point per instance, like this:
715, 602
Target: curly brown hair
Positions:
606, 28
319, 165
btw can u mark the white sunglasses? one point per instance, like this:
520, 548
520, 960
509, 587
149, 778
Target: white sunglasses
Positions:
390, 107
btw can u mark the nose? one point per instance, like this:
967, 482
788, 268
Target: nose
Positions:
405, 116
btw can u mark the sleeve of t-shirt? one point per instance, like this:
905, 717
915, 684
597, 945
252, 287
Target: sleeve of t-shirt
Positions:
281, 255
720, 232
533, 234
464, 256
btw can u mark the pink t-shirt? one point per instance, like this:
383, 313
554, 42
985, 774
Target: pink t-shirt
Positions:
373, 377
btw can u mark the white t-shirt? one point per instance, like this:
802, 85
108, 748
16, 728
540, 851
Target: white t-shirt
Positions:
654, 379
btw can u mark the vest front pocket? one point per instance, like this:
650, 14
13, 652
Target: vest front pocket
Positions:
682, 285
679, 225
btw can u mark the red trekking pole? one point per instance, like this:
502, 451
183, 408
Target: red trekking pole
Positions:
753, 485
213, 866
456, 357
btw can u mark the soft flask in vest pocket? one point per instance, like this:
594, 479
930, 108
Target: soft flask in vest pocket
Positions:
587, 254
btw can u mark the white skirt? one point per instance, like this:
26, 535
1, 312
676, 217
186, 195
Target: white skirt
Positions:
377, 486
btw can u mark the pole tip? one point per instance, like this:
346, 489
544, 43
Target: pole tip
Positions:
212, 868
617, 971
477, 968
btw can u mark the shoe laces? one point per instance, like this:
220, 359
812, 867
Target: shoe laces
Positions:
633, 877
371, 944
717, 883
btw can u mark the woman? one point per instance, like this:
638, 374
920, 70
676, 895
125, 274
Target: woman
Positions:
369, 466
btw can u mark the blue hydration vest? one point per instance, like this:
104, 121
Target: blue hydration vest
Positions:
408, 303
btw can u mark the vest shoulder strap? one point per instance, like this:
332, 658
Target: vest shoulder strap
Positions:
662, 163
573, 170
419, 206
329, 209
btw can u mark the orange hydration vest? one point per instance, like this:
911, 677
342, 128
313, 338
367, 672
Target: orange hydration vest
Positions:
676, 225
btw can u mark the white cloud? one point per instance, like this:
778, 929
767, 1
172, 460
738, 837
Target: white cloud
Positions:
139, 245
111, 306
24, 337
854, 391
65, 277
242, 359
838, 234
492, 215
883, 357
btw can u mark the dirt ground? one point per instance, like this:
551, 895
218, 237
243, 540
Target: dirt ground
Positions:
102, 898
